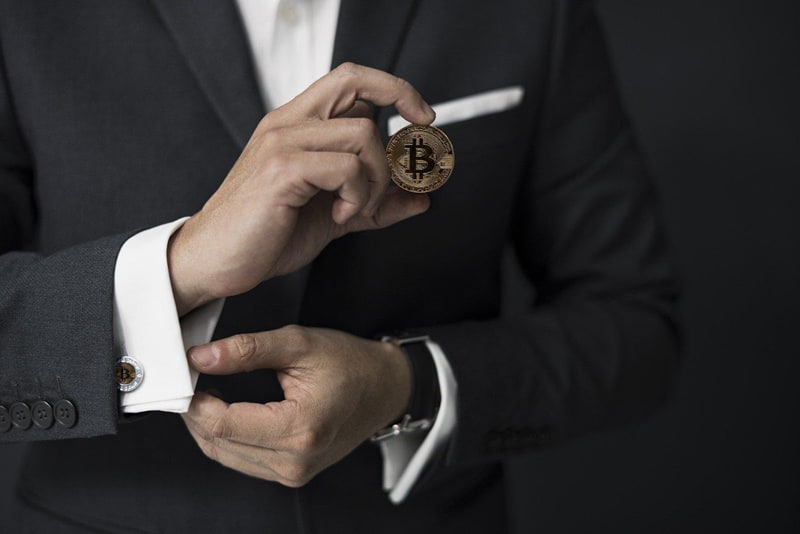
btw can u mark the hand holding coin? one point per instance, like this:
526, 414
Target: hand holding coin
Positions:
421, 158
313, 170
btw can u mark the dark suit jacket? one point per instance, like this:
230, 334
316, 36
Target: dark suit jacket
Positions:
117, 116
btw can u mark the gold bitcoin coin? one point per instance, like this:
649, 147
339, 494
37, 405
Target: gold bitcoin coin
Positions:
421, 158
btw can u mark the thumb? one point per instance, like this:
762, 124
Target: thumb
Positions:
242, 353
396, 205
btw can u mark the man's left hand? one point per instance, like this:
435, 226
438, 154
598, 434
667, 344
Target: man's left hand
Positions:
339, 389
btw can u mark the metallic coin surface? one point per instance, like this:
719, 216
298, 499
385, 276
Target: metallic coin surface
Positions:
421, 158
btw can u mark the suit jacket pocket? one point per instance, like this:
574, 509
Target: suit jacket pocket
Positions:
468, 107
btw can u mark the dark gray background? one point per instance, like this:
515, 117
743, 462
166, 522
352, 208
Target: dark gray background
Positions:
712, 87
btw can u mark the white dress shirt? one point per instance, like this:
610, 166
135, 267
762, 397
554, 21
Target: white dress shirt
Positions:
292, 45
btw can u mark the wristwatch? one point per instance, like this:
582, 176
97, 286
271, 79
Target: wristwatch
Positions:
425, 396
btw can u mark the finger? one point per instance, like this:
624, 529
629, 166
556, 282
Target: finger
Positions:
396, 205
254, 462
342, 134
271, 425
204, 412
273, 349
273, 133
357, 136
261, 440
284, 468
299, 176
338, 91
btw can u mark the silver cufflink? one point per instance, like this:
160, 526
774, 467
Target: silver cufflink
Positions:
129, 373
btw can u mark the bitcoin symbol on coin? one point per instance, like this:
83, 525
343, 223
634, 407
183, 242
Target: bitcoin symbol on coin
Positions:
421, 158
125, 373
414, 157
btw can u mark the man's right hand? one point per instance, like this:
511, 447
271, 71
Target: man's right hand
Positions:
314, 170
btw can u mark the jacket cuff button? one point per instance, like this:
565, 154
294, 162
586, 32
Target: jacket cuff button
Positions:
66, 414
42, 414
21, 415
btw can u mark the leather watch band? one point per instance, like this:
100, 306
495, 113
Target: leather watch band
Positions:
425, 395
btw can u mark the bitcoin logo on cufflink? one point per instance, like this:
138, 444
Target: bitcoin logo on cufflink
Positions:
129, 373
421, 158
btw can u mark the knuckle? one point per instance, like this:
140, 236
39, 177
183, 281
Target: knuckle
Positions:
223, 428
201, 432
271, 137
402, 84
278, 164
347, 69
296, 474
351, 165
204, 433
264, 124
209, 450
310, 442
306, 442
364, 128
245, 346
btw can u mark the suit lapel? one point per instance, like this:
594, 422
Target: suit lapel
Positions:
372, 33
210, 35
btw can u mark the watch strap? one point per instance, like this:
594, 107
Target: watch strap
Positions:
425, 396
425, 393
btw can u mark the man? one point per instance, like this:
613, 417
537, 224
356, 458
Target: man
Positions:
119, 118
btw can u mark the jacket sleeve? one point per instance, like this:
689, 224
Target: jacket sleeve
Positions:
55, 314
598, 346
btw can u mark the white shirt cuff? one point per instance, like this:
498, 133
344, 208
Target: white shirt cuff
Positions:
405, 456
147, 326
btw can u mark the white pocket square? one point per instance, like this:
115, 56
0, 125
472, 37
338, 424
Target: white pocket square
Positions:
468, 107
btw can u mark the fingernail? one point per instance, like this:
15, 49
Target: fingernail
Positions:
203, 356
